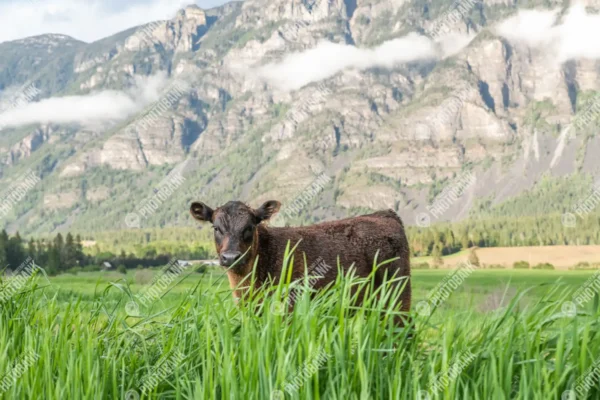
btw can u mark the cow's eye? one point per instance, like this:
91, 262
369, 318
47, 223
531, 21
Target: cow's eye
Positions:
248, 233
218, 230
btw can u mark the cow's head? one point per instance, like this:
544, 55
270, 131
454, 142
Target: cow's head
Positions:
235, 228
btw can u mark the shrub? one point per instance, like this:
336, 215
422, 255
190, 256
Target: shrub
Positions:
438, 261
521, 265
496, 266
143, 276
544, 266
585, 266
121, 269
201, 269
74, 270
90, 268
422, 265
473, 259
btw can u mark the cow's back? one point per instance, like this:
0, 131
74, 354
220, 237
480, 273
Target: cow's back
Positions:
354, 241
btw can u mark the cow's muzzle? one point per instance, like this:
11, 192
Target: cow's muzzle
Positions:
228, 258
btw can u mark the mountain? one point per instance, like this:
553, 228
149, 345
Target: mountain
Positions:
389, 134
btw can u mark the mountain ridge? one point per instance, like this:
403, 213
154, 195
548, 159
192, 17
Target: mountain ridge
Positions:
396, 133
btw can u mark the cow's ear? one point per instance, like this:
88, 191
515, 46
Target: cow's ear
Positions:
267, 210
201, 211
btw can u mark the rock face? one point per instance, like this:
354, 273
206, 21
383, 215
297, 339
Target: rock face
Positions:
179, 35
60, 200
98, 194
262, 12
384, 134
25, 147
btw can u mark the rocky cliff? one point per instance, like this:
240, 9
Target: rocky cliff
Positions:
388, 135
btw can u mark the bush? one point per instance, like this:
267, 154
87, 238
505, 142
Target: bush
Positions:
473, 259
496, 266
143, 276
521, 265
121, 269
74, 270
438, 261
585, 266
544, 266
422, 265
201, 269
90, 268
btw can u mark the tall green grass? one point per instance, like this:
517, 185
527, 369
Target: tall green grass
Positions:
256, 349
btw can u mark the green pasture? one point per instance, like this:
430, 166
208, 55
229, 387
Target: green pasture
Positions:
501, 334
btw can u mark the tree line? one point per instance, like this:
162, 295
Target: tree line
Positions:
66, 253
157, 247
551, 230
54, 255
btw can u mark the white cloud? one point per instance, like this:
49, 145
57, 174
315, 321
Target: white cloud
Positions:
95, 109
453, 43
327, 59
572, 37
579, 35
87, 20
529, 27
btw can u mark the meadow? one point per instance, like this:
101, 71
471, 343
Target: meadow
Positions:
561, 257
499, 334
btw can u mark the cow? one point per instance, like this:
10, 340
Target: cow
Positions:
244, 241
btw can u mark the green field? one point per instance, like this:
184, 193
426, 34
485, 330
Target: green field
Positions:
501, 334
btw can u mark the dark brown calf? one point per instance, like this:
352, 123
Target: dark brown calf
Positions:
241, 237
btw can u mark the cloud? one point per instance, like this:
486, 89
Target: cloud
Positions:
95, 109
529, 27
327, 59
88, 20
579, 35
574, 36
453, 43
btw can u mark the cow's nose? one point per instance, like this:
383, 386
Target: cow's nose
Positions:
229, 257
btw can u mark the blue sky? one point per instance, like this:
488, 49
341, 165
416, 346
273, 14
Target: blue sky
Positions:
86, 20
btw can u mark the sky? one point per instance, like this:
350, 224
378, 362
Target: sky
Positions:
86, 20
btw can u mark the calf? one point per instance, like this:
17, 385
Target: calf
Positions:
242, 238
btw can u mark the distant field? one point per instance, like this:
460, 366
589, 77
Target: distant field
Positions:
477, 288
562, 257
